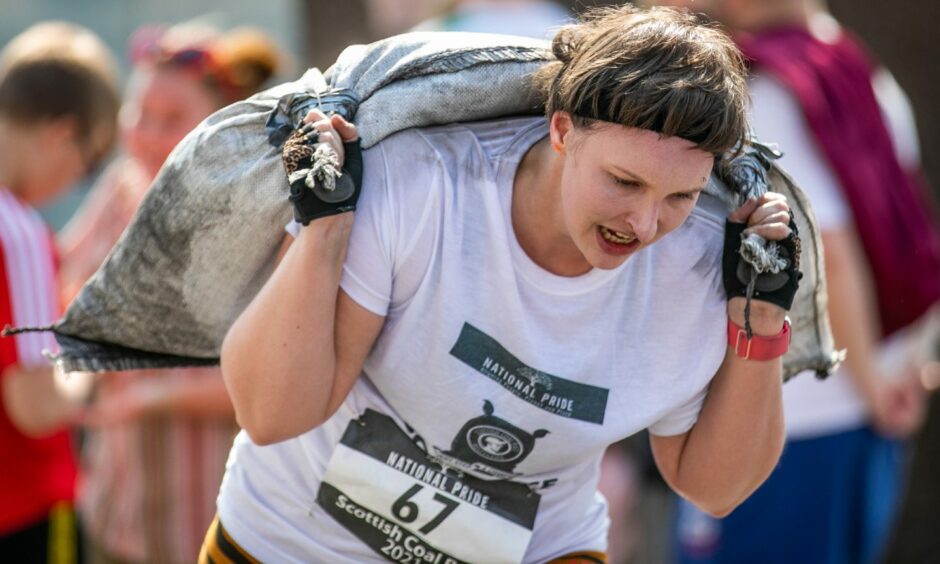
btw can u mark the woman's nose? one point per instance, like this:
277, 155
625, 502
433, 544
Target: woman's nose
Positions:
645, 222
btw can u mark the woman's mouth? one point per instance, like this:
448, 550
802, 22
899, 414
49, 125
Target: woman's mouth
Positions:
616, 236
616, 242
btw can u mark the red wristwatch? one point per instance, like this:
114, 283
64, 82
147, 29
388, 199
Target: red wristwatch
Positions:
757, 347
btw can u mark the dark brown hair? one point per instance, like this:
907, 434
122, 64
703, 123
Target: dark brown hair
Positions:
658, 69
60, 70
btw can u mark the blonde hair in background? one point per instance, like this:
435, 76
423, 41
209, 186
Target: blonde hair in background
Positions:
64, 41
59, 69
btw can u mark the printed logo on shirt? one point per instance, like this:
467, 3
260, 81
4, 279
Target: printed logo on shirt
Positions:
408, 506
541, 389
488, 447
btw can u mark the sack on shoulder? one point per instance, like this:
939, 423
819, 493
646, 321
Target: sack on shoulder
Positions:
205, 238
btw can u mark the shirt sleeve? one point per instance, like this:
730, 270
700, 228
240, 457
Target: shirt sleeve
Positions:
681, 419
29, 283
7, 346
367, 272
777, 118
392, 235
899, 117
393, 232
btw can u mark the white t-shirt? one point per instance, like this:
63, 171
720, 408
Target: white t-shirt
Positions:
514, 378
812, 407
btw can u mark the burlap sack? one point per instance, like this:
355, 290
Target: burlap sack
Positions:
205, 237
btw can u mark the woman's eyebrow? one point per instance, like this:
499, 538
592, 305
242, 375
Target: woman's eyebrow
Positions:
631, 174
639, 179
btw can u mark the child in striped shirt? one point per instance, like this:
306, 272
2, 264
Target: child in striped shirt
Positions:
58, 118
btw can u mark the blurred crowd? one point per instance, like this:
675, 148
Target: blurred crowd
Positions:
124, 467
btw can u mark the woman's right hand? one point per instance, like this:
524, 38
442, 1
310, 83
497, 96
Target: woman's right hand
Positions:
334, 130
313, 156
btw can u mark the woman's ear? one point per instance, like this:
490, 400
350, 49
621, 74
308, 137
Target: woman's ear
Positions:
560, 125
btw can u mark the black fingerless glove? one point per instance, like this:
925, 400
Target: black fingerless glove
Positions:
777, 288
312, 202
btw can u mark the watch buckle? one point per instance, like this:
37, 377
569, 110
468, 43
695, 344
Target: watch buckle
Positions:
737, 341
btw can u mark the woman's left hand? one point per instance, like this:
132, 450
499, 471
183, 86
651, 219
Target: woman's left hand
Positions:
768, 217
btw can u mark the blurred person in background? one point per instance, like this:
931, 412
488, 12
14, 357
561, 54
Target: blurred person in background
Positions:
849, 139
531, 18
158, 439
58, 118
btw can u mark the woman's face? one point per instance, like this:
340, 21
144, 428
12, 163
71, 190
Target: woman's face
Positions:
623, 188
163, 106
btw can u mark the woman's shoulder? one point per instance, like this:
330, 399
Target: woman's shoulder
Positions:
446, 162
695, 247
449, 143
708, 216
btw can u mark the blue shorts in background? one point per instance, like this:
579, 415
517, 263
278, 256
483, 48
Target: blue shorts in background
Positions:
831, 500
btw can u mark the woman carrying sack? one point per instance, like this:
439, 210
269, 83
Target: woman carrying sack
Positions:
436, 376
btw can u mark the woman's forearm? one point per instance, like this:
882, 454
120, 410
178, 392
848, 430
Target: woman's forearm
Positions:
279, 358
737, 440
739, 435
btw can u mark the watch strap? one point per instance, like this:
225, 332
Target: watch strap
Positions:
758, 347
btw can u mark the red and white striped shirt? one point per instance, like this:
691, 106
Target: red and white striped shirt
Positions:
35, 473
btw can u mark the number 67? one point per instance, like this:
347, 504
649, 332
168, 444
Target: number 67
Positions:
407, 511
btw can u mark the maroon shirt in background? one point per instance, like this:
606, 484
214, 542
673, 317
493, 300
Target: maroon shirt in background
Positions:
832, 84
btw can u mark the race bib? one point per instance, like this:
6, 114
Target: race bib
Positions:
390, 494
